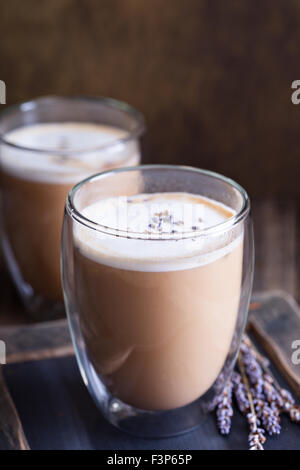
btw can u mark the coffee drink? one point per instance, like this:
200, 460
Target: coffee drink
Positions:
157, 294
36, 179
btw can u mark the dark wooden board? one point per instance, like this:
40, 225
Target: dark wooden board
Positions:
275, 321
57, 412
36, 341
12, 436
276, 233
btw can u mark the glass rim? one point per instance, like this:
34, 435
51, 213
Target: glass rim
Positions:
109, 102
215, 229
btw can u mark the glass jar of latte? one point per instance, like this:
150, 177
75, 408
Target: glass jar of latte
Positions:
47, 145
157, 265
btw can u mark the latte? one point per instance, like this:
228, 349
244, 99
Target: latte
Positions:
35, 181
157, 294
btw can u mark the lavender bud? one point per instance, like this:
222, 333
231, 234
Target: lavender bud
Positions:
224, 409
295, 413
240, 393
270, 419
287, 396
256, 436
272, 395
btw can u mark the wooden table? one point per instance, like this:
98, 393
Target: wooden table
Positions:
48, 406
277, 247
57, 412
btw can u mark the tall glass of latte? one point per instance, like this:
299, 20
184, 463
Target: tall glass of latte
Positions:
157, 266
47, 145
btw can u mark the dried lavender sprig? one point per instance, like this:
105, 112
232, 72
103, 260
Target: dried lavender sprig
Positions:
256, 436
272, 394
240, 393
272, 388
265, 402
269, 417
295, 413
289, 406
264, 363
252, 368
265, 397
225, 410
268, 413
284, 398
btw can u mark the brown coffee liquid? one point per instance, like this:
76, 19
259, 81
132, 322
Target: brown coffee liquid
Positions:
157, 337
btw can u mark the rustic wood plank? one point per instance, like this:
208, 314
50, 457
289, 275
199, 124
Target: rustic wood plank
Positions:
25, 340
12, 436
37, 341
275, 321
274, 316
67, 418
275, 229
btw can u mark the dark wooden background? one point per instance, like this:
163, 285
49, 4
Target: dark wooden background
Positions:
213, 78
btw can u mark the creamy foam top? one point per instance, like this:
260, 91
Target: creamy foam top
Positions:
61, 139
164, 216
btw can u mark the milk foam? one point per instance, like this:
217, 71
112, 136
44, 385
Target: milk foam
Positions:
167, 217
58, 140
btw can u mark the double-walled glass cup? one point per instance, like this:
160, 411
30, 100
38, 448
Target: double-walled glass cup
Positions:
156, 318
47, 145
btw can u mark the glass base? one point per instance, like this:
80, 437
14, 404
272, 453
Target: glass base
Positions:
144, 423
153, 424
